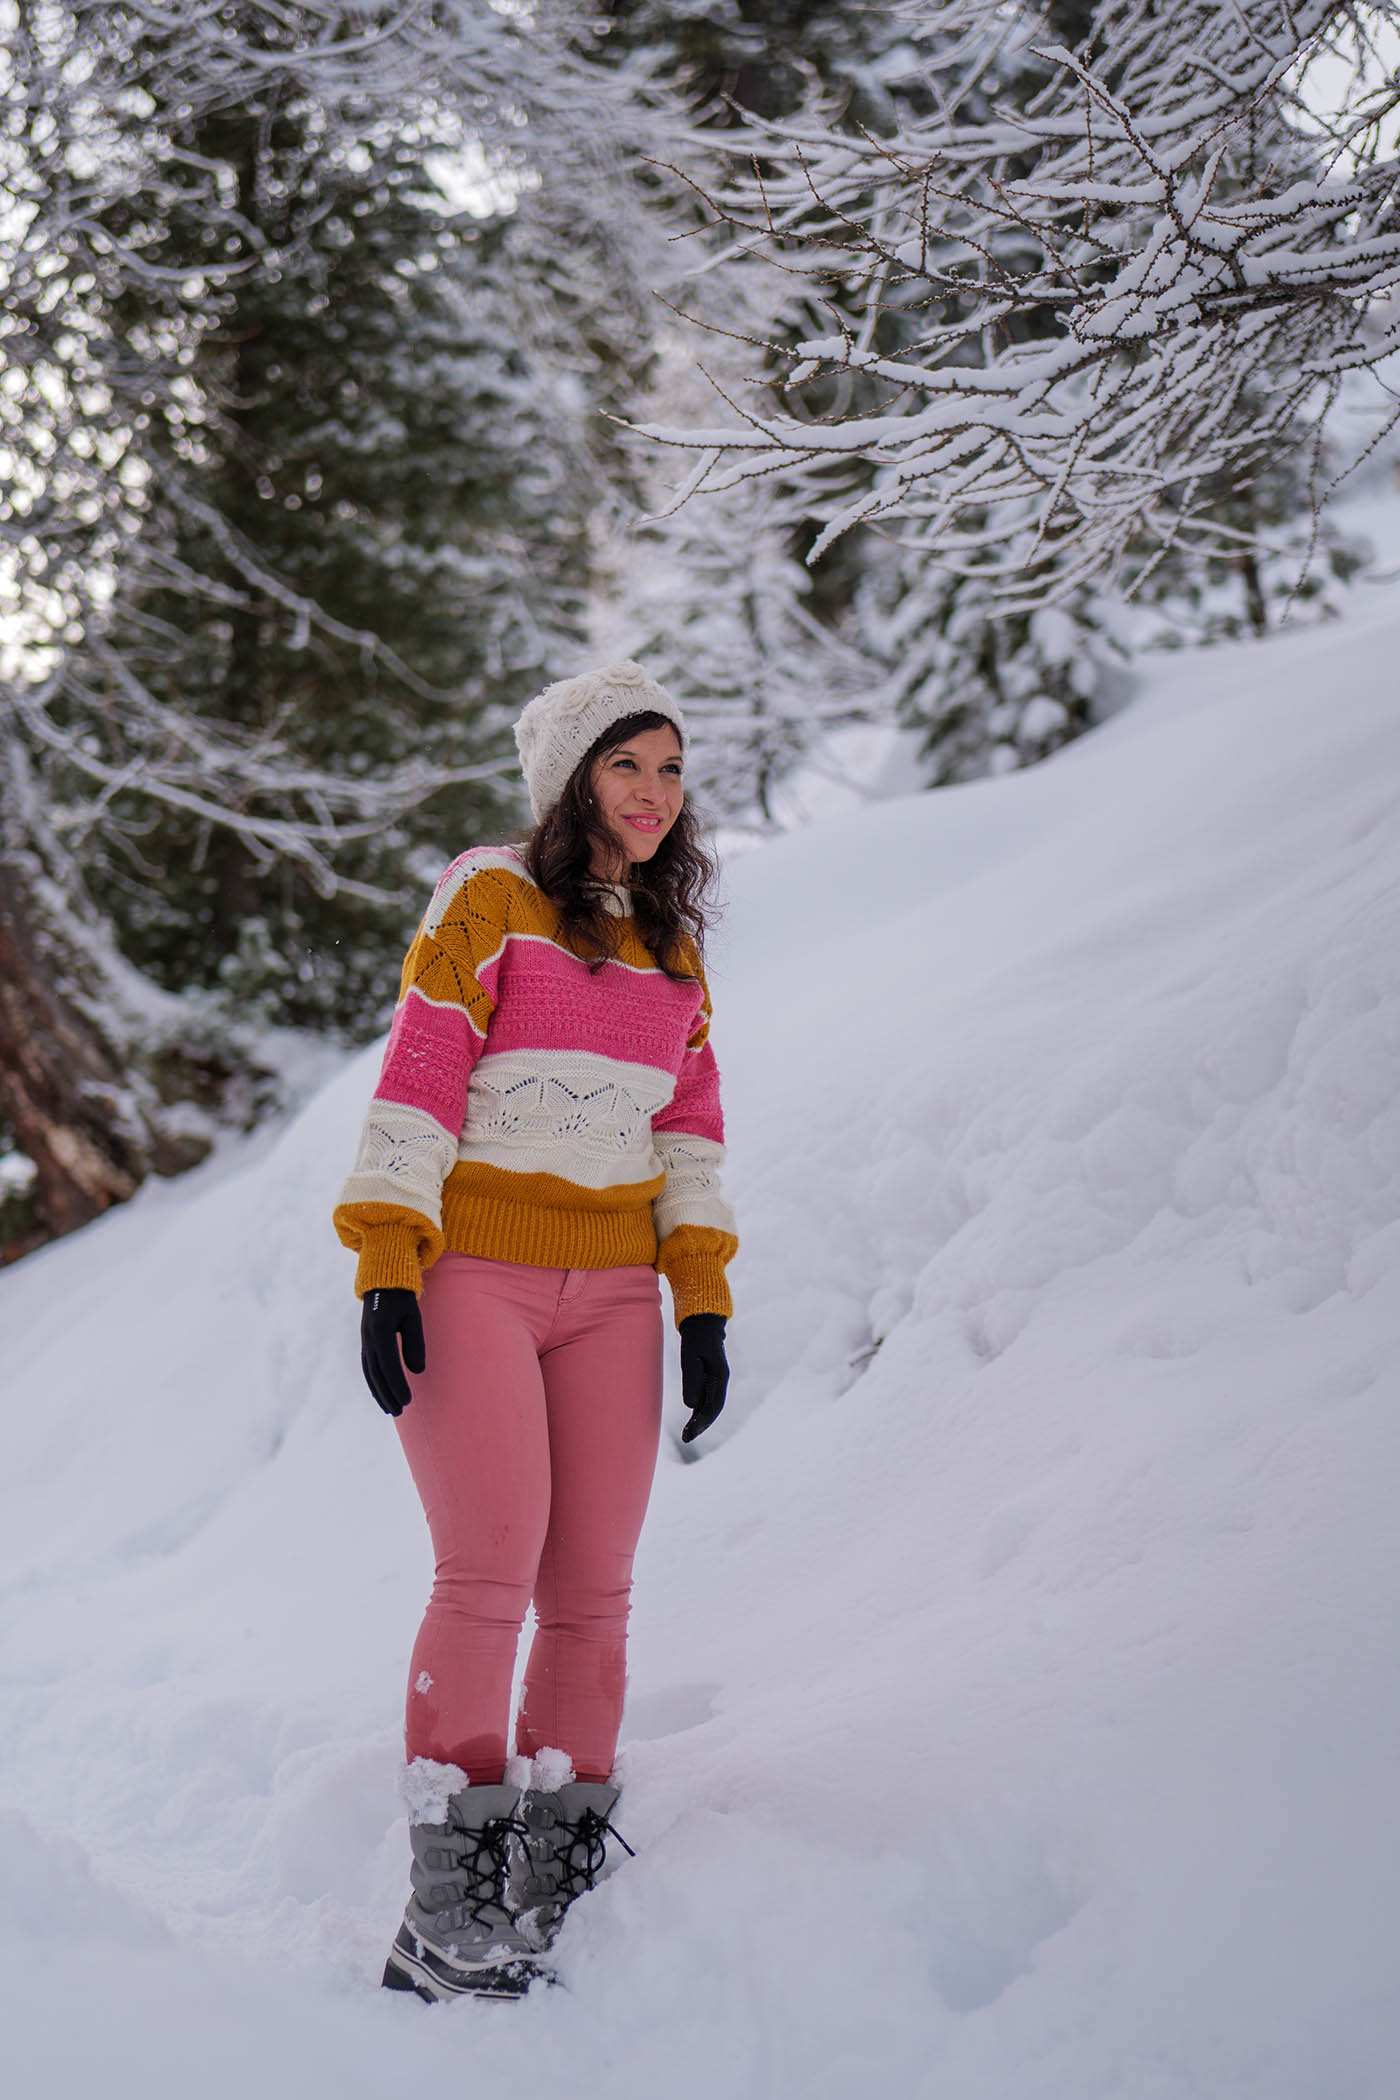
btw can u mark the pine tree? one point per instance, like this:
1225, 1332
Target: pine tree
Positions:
368, 426
984, 690
276, 422
716, 603
758, 58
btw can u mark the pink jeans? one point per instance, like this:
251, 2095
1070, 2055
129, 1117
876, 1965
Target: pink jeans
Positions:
532, 1440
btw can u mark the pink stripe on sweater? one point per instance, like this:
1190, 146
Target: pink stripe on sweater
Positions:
429, 1060
548, 1000
694, 1109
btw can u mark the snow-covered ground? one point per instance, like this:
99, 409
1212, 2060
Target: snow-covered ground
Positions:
1014, 1708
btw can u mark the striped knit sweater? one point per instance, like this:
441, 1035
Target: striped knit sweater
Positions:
532, 1110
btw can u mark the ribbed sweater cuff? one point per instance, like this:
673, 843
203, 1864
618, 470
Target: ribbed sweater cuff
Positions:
694, 1258
389, 1259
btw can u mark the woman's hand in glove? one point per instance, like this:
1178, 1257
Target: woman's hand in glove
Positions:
704, 1371
388, 1319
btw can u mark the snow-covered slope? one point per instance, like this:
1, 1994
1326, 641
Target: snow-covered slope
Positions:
1014, 1697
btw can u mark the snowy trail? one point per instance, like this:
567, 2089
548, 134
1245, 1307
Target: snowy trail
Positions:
1014, 1697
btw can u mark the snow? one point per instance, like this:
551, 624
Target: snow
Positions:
426, 1787
1014, 1698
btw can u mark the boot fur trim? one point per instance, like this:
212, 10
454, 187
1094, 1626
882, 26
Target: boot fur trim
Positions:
425, 1787
544, 1773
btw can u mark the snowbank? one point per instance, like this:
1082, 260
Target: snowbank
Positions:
1014, 1699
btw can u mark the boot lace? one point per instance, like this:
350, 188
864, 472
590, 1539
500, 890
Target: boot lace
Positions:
581, 1857
480, 1862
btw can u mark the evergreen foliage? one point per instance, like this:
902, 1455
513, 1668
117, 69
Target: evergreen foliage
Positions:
304, 470
355, 450
368, 422
718, 608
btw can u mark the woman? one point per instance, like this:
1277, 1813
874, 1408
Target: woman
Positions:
545, 1138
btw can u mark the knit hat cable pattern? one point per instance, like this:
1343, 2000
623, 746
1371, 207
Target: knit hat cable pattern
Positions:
564, 722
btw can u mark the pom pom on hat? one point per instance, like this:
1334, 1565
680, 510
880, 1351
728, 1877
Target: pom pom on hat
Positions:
565, 721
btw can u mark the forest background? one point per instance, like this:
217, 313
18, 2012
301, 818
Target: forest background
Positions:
363, 368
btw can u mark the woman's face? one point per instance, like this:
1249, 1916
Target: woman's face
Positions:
637, 787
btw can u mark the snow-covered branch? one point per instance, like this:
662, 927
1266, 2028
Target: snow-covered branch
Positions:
1077, 289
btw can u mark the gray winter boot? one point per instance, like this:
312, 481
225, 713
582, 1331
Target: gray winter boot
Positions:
459, 1933
563, 1852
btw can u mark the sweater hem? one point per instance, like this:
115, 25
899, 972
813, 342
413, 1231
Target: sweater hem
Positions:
547, 1238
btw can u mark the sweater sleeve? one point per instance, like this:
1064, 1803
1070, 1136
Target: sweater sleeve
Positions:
390, 1209
694, 1225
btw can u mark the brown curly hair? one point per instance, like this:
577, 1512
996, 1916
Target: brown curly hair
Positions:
671, 892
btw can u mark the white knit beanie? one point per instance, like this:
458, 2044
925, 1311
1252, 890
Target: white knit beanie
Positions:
566, 720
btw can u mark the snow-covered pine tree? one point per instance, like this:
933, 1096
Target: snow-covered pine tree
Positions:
113, 418
716, 603
737, 58
369, 425
984, 690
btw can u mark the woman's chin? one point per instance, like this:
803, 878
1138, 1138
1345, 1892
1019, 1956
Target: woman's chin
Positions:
640, 845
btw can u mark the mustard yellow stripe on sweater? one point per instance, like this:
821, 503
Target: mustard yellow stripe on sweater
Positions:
545, 1222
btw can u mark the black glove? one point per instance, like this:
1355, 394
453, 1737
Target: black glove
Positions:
704, 1371
386, 1319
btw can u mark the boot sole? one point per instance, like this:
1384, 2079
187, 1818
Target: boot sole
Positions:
414, 1965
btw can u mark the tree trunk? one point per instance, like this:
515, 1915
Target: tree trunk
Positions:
1255, 603
62, 1092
